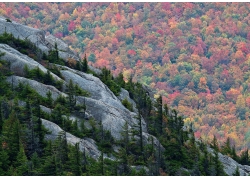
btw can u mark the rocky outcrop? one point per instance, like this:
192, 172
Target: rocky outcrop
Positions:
87, 144
38, 38
42, 89
230, 165
18, 61
111, 112
124, 94
20, 31
63, 48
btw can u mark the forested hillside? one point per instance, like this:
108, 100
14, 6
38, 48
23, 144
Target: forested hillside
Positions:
196, 55
60, 116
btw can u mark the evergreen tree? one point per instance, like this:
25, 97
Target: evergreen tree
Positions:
21, 163
214, 144
49, 100
71, 96
141, 137
204, 162
218, 165
1, 117
4, 159
38, 126
75, 161
11, 136
123, 161
85, 64
56, 115
237, 172
48, 79
159, 124
234, 155
49, 168
226, 148
244, 158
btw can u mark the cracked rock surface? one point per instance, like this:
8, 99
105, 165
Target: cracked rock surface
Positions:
230, 165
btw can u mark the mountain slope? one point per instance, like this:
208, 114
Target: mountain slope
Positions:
196, 55
79, 108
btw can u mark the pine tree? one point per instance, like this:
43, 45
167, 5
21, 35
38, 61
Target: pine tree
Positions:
226, 148
159, 115
48, 79
11, 136
1, 117
21, 163
85, 64
125, 137
234, 155
49, 100
141, 138
4, 159
35, 164
49, 166
204, 162
75, 161
237, 172
71, 96
56, 115
218, 165
123, 161
38, 126
56, 52
214, 144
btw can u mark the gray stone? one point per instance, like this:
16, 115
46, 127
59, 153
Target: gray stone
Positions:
18, 61
20, 31
230, 165
64, 50
89, 144
97, 71
38, 38
45, 109
42, 89
124, 94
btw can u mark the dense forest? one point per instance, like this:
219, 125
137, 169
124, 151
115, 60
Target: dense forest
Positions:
24, 149
195, 55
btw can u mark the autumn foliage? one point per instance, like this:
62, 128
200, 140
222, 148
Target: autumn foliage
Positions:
196, 55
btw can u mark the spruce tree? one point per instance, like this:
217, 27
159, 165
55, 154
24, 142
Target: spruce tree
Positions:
11, 136
159, 116
4, 159
75, 161
49, 100
218, 165
21, 163
1, 117
237, 172
214, 144
85, 64
226, 148
71, 96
